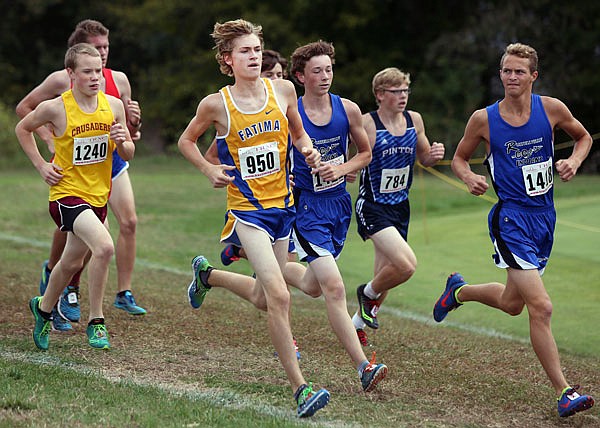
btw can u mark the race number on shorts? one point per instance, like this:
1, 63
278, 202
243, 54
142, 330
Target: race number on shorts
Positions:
394, 180
89, 150
259, 161
538, 177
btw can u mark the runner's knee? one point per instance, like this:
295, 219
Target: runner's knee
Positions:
127, 225
540, 310
104, 251
278, 300
335, 290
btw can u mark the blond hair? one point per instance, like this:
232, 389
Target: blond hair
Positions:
224, 35
522, 51
387, 78
76, 50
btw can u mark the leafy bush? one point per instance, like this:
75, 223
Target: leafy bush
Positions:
11, 154
9, 146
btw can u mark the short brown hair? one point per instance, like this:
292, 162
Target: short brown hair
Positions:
86, 29
270, 59
224, 35
303, 54
79, 49
522, 51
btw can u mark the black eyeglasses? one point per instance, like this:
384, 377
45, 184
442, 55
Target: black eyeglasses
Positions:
398, 91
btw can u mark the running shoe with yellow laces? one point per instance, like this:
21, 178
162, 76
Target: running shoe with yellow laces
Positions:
367, 308
309, 402
448, 301
570, 402
97, 334
42, 326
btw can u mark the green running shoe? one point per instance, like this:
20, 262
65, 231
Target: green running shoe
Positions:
98, 336
197, 289
42, 326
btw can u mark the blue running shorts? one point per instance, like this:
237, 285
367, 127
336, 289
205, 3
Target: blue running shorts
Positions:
372, 217
322, 224
275, 222
119, 166
522, 236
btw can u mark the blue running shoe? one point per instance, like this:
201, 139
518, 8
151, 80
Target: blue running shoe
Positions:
197, 289
59, 323
127, 303
42, 326
45, 278
309, 401
367, 308
68, 304
570, 402
98, 336
372, 374
228, 255
447, 301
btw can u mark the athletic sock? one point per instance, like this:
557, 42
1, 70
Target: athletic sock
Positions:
358, 322
456, 294
46, 315
204, 274
370, 293
95, 321
362, 367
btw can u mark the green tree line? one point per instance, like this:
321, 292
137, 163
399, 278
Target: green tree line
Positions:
450, 48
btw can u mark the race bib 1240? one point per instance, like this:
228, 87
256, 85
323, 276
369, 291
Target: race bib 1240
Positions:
89, 150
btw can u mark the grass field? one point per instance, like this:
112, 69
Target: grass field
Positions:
215, 367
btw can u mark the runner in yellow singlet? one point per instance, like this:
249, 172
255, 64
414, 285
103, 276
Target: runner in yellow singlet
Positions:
87, 126
252, 118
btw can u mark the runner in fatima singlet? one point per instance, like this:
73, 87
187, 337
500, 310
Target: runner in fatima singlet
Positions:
256, 143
